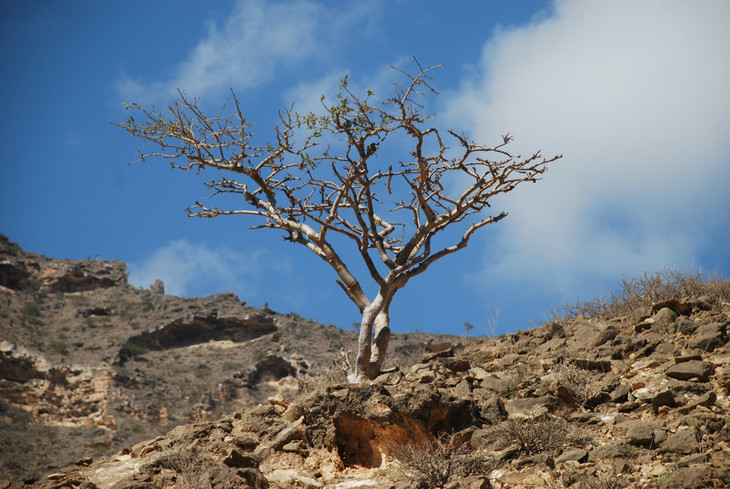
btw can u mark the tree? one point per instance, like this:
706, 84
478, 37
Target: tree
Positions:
332, 175
468, 327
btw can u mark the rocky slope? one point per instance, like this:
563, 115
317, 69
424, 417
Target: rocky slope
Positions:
638, 400
90, 364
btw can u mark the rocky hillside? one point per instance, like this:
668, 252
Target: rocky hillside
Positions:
632, 394
90, 364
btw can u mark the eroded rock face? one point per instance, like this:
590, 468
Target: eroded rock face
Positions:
199, 329
13, 274
55, 395
84, 275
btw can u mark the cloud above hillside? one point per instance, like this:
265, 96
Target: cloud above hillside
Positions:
634, 94
252, 47
189, 269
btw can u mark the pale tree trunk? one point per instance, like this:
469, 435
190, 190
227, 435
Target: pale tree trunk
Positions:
380, 343
372, 347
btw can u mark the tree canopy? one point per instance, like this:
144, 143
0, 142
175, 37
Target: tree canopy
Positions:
345, 172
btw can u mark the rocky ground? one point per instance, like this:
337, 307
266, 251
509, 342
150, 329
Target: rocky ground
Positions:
593, 399
90, 364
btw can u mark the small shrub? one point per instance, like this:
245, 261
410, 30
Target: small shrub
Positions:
336, 374
202, 371
545, 433
31, 283
227, 366
133, 349
57, 347
193, 470
31, 309
432, 464
578, 384
403, 357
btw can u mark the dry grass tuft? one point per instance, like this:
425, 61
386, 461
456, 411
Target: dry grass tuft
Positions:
648, 289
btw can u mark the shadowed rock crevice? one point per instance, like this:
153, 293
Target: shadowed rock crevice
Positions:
272, 367
198, 329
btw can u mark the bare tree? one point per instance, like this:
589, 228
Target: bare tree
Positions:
334, 175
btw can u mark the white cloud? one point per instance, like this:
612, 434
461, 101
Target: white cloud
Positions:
257, 41
634, 94
306, 94
191, 269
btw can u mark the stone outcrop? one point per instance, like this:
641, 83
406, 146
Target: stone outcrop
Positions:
65, 396
198, 329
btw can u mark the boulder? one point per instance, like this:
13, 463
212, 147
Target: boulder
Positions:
642, 433
572, 455
708, 337
606, 335
682, 442
692, 477
665, 398
665, 317
531, 407
693, 369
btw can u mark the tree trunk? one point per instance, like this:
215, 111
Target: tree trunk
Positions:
364, 340
371, 348
380, 342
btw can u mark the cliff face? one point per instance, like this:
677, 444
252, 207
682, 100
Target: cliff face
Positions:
90, 364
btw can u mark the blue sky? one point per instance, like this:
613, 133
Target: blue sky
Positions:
632, 93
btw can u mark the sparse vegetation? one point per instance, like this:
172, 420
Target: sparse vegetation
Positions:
584, 480
192, 469
645, 290
575, 381
432, 464
99, 321
31, 283
30, 311
334, 374
202, 371
404, 357
57, 347
536, 435
227, 366
482, 393
133, 349
10, 247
